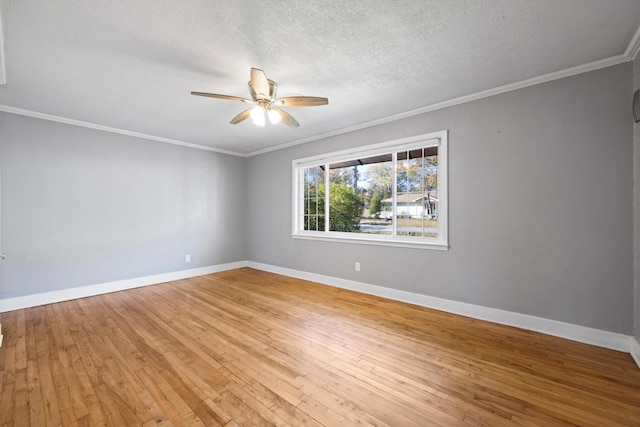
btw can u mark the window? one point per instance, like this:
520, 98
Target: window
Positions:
394, 193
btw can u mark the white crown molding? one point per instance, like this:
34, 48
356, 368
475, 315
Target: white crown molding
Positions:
596, 65
17, 303
634, 46
65, 120
630, 54
3, 69
597, 337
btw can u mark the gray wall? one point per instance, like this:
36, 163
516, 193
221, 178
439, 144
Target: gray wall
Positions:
81, 206
541, 214
541, 190
636, 210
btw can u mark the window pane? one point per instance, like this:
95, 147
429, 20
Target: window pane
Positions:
358, 195
346, 201
415, 173
377, 216
430, 183
402, 184
417, 192
313, 198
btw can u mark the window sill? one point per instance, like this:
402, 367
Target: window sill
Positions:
438, 246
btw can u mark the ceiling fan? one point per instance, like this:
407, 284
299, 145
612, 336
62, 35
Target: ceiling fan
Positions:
264, 97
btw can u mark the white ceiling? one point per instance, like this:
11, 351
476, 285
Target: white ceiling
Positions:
130, 65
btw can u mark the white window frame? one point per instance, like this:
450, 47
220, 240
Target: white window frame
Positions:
439, 139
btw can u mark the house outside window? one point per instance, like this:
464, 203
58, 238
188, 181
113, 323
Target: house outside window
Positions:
393, 193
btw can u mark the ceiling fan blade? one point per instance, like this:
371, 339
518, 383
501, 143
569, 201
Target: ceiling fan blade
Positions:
301, 101
228, 97
287, 118
259, 84
241, 117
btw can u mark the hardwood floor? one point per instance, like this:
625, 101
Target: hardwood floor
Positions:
246, 347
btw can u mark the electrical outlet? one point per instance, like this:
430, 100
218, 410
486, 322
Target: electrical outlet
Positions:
187, 258
357, 266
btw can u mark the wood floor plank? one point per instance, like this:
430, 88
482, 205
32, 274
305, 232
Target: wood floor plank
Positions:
251, 348
36, 405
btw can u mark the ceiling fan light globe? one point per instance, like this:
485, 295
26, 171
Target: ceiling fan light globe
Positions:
257, 115
274, 117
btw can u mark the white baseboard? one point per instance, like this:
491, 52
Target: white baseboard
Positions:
635, 350
34, 300
597, 337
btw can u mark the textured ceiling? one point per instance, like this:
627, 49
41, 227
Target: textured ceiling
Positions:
130, 65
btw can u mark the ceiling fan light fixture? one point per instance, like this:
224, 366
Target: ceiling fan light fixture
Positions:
274, 116
263, 96
257, 115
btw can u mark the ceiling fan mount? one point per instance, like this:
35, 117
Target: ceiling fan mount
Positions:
264, 98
